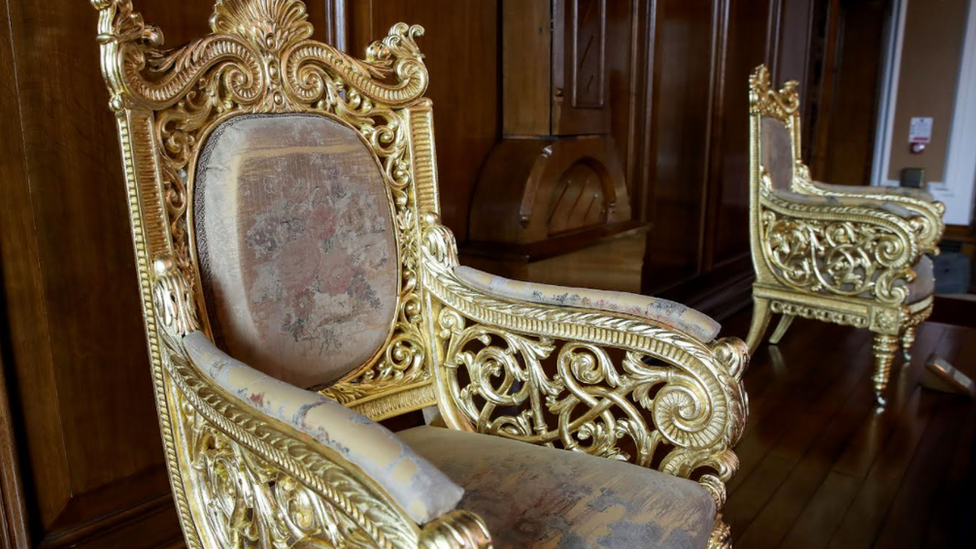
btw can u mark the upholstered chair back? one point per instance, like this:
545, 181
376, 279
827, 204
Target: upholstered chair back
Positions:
776, 152
296, 246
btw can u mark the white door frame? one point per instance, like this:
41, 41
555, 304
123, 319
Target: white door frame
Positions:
957, 191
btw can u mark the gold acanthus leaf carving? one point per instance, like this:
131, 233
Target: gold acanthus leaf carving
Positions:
262, 488
839, 257
765, 100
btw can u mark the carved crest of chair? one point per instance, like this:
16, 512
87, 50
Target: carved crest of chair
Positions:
851, 255
298, 288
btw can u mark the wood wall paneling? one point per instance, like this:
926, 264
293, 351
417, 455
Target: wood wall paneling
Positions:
679, 135
526, 52
844, 135
462, 57
728, 219
691, 171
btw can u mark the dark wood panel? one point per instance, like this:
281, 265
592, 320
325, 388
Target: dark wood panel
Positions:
843, 133
463, 59
728, 222
684, 40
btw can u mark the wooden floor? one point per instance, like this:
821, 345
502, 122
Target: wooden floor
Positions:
821, 467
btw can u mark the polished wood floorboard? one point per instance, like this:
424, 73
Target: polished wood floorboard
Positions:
822, 467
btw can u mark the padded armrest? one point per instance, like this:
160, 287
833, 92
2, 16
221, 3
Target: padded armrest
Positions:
673, 315
419, 488
918, 194
857, 202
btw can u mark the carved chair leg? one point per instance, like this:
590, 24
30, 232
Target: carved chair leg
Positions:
780, 331
885, 347
907, 340
760, 320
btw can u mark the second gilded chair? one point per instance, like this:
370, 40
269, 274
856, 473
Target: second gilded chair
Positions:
842, 254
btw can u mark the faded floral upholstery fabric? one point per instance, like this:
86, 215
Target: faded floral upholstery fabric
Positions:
776, 153
533, 497
920, 194
419, 488
671, 314
894, 208
924, 284
296, 245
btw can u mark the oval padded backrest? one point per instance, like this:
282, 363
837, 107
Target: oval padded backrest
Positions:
777, 153
296, 246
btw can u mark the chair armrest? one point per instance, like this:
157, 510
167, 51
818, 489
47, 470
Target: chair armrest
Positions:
838, 245
920, 195
607, 383
929, 212
422, 491
661, 311
254, 456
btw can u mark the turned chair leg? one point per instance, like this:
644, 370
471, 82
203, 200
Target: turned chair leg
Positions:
760, 320
885, 347
780, 331
907, 340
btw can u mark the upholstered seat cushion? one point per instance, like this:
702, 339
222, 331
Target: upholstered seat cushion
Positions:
924, 284
671, 314
776, 152
538, 497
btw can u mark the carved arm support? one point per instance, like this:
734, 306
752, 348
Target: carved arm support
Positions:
839, 245
927, 219
608, 384
265, 464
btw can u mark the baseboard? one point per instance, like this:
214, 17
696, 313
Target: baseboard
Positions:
958, 311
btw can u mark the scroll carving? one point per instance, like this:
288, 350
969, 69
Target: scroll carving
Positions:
782, 104
844, 258
585, 381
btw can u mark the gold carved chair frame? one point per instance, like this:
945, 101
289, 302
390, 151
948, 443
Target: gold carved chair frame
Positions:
623, 388
846, 261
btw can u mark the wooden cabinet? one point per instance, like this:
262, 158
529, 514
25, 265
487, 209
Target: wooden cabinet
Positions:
551, 202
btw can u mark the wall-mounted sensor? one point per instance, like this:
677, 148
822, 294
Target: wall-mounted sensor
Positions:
919, 134
912, 177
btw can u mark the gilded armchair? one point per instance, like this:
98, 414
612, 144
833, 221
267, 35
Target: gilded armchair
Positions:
298, 288
842, 254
